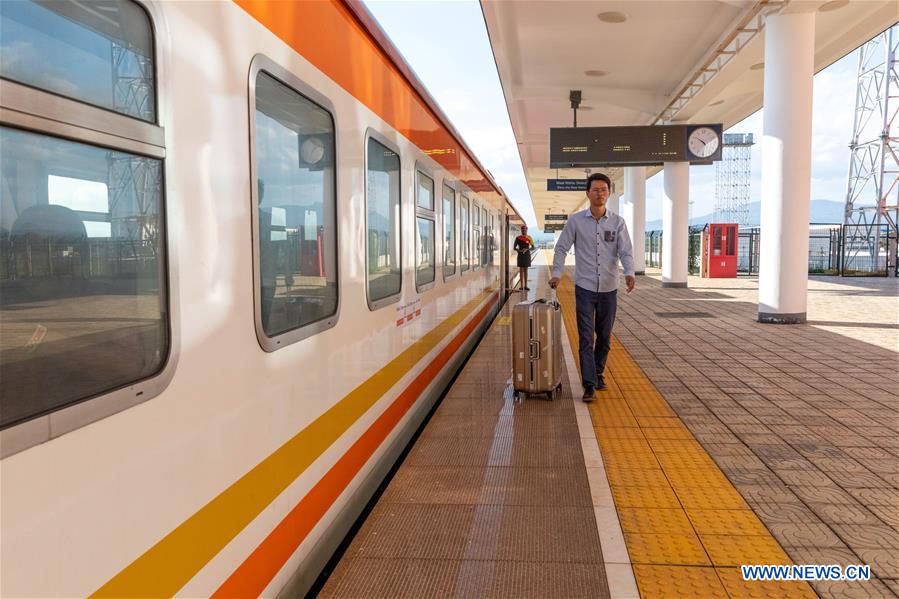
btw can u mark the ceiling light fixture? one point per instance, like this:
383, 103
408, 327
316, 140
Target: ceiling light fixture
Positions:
612, 17
718, 103
757, 66
595, 73
833, 5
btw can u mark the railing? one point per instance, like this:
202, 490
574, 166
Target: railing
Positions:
826, 246
867, 251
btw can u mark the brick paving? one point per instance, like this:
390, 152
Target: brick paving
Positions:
803, 419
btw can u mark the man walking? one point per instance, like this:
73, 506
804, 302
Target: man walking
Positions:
600, 239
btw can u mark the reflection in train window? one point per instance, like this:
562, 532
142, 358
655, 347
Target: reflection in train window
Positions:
425, 262
475, 235
99, 52
296, 208
82, 275
383, 198
463, 224
449, 231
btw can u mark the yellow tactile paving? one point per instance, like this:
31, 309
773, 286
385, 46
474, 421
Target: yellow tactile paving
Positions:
622, 432
711, 498
667, 549
677, 582
634, 477
685, 525
646, 497
683, 477
726, 522
639, 520
736, 550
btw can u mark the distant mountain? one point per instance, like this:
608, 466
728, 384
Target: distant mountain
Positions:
822, 211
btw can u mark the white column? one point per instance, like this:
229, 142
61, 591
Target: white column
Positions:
633, 210
786, 167
612, 204
675, 214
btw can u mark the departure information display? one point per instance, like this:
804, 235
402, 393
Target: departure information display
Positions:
573, 147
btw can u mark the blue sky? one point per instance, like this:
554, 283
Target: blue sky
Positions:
456, 64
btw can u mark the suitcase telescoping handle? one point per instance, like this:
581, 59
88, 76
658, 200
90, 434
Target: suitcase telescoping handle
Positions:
553, 299
535, 349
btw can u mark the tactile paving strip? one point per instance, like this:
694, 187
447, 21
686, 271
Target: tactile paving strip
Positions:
685, 525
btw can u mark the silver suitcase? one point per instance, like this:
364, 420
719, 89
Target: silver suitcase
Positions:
537, 348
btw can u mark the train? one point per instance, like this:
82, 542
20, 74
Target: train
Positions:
242, 255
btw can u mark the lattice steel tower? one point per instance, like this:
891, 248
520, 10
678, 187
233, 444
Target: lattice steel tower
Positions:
872, 198
732, 176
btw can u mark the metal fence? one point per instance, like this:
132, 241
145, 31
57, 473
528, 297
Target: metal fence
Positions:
868, 251
825, 250
653, 253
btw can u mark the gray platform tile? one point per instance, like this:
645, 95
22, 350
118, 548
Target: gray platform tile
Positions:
826, 455
772, 449
734, 448
859, 480
754, 478
845, 513
887, 513
538, 452
867, 589
521, 424
536, 534
822, 555
772, 512
740, 462
535, 405
809, 478
415, 531
823, 494
869, 536
806, 534
741, 429
485, 391
473, 485
768, 493
884, 562
885, 497
392, 578
531, 580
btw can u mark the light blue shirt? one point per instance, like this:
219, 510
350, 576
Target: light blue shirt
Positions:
598, 245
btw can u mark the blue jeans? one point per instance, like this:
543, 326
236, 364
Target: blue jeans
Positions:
595, 315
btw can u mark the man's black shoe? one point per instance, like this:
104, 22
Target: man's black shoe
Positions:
601, 385
527, 288
589, 393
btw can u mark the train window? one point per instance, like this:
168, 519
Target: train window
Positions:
463, 224
99, 52
475, 235
83, 291
425, 262
296, 230
383, 217
425, 197
449, 231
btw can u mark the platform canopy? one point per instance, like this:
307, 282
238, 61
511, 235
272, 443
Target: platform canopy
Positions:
645, 62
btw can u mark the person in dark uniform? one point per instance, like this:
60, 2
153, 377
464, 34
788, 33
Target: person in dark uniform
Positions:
524, 243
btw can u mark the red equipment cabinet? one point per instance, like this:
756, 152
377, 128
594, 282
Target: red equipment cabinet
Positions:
719, 251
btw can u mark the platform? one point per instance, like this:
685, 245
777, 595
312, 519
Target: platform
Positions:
720, 442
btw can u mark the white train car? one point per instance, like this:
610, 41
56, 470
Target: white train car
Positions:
242, 253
